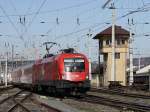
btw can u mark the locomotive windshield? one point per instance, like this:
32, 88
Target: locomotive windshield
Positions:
74, 65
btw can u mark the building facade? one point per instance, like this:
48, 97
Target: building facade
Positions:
121, 51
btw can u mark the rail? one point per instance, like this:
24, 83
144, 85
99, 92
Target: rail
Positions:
115, 103
121, 93
12, 102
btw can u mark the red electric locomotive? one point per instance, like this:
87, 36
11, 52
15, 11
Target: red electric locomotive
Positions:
65, 72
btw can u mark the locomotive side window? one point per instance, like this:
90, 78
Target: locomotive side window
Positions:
74, 65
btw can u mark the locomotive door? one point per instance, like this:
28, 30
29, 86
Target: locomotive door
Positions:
38, 73
42, 72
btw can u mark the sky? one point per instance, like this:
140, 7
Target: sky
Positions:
27, 24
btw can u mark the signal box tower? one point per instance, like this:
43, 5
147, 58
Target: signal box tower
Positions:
121, 50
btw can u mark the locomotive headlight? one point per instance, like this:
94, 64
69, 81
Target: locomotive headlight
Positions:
87, 76
63, 76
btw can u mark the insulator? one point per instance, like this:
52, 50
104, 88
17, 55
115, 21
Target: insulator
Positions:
57, 20
128, 21
24, 20
78, 21
20, 20
132, 22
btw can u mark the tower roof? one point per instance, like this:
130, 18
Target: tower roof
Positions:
119, 31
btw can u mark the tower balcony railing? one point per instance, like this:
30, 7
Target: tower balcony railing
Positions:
117, 46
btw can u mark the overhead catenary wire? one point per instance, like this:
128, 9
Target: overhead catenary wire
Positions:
143, 2
66, 32
65, 8
30, 23
13, 25
123, 16
32, 20
23, 18
29, 8
88, 10
107, 2
145, 8
55, 10
80, 30
71, 33
85, 28
77, 31
131, 12
13, 6
92, 26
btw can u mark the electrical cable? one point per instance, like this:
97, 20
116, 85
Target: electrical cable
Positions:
143, 2
29, 8
13, 25
77, 31
30, 23
141, 9
56, 10
13, 6
132, 12
32, 20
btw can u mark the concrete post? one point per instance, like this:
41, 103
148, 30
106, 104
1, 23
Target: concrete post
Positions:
149, 81
113, 77
89, 53
6, 69
131, 58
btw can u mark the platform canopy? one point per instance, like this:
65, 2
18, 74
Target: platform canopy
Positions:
144, 70
119, 32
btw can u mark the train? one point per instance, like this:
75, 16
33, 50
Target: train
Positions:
61, 73
141, 82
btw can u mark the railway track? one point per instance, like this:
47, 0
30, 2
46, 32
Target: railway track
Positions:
22, 101
19, 103
121, 93
121, 105
1, 84
15, 101
6, 88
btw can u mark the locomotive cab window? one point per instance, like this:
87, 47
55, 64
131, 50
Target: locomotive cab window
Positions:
74, 65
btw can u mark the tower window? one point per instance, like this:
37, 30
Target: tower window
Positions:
100, 44
117, 55
123, 41
107, 42
118, 42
